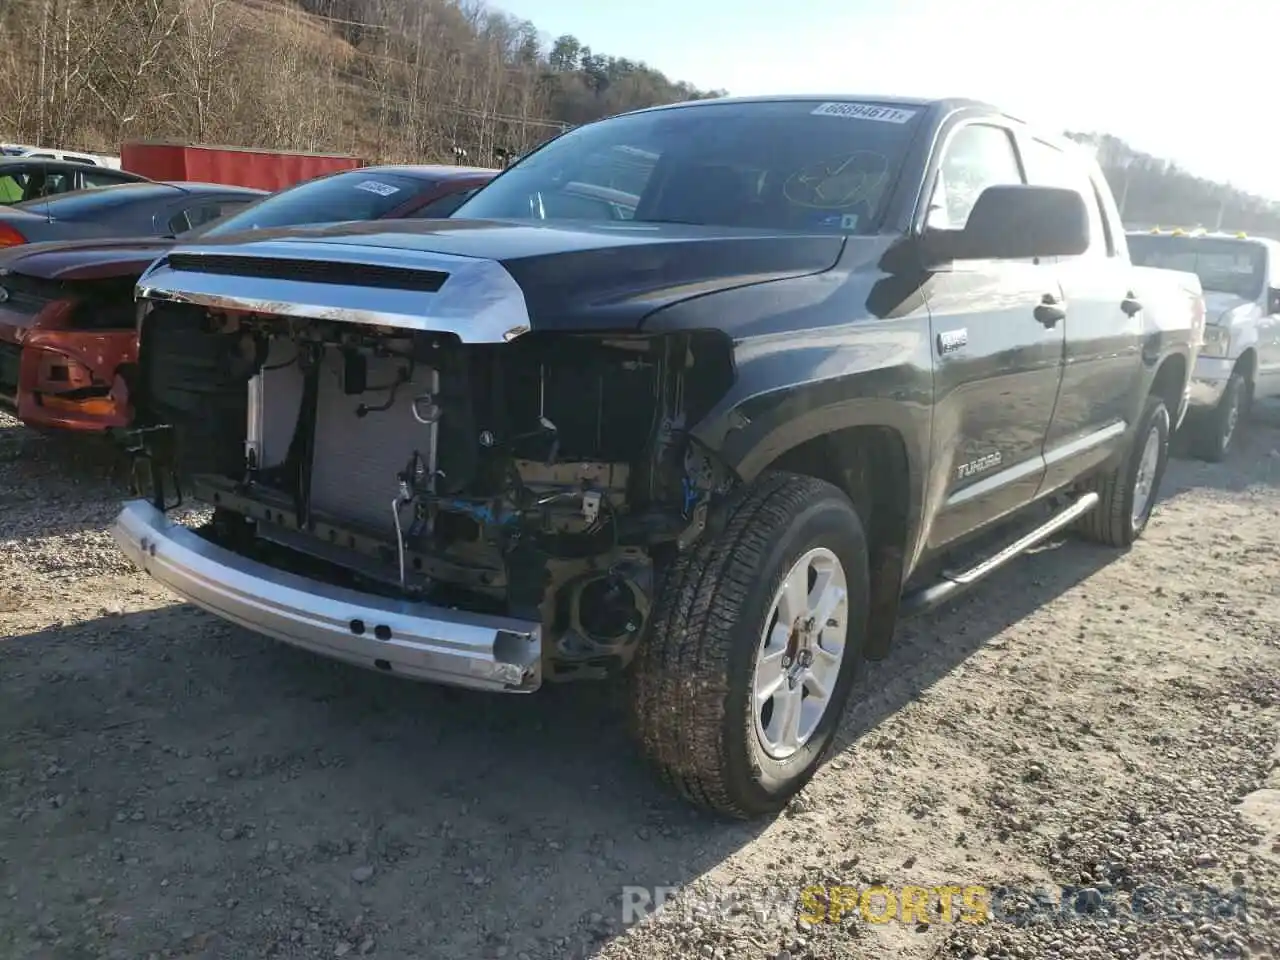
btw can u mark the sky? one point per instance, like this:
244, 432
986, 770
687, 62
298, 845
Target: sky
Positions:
1187, 81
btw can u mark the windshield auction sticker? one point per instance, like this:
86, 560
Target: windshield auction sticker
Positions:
864, 111
381, 189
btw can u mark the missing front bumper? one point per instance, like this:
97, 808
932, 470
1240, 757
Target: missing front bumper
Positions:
416, 640
1208, 381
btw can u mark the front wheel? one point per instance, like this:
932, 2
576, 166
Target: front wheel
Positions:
1129, 491
756, 642
1212, 434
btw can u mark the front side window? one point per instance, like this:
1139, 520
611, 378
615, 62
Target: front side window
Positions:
192, 218
351, 195
795, 165
977, 157
57, 182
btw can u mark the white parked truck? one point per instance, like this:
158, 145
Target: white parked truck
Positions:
1240, 359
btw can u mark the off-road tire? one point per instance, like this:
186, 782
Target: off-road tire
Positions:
1111, 522
691, 684
1212, 433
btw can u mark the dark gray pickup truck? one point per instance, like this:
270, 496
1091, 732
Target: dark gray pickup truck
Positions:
706, 394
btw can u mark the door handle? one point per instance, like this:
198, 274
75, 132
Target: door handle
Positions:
1130, 304
1050, 311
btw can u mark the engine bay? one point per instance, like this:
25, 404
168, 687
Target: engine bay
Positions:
550, 477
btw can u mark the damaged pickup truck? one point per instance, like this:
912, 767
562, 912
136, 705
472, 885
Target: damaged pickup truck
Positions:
833, 361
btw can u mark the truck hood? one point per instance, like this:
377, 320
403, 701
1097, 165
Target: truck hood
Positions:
1220, 307
83, 259
483, 280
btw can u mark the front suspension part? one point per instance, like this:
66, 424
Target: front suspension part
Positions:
151, 465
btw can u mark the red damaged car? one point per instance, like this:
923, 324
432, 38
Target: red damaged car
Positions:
68, 337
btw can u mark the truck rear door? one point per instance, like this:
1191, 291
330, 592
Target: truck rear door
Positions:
1101, 392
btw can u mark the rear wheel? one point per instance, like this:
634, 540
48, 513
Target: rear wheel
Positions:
757, 638
1129, 491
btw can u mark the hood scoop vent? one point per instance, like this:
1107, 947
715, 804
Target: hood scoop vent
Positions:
311, 271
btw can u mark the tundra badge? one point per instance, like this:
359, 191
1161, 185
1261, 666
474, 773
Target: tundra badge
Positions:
949, 341
975, 467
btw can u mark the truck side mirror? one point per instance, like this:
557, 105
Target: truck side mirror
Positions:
1020, 221
1273, 300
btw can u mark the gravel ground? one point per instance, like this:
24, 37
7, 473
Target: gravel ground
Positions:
1096, 726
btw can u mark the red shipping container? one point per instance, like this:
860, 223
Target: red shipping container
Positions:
235, 166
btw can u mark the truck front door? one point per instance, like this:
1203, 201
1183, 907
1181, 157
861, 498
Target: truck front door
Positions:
997, 357
1101, 391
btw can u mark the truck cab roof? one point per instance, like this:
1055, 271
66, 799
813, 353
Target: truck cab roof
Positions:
947, 104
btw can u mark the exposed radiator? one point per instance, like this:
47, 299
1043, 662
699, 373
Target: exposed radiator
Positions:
356, 458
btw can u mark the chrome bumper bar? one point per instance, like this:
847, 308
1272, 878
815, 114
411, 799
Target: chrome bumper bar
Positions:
396, 636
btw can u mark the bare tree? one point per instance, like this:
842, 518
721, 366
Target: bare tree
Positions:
127, 46
403, 79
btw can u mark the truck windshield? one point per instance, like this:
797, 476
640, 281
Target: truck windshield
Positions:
789, 165
1238, 267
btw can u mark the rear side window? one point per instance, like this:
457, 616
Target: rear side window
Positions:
977, 157
101, 178
1048, 166
180, 222
202, 213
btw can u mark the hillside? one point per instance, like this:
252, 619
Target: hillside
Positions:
1157, 192
389, 80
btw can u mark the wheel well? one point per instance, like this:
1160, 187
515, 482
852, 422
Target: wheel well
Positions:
870, 465
1169, 382
1247, 365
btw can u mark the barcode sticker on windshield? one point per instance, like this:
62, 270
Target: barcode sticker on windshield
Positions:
381, 189
864, 111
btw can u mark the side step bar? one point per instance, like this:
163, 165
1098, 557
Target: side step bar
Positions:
952, 584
